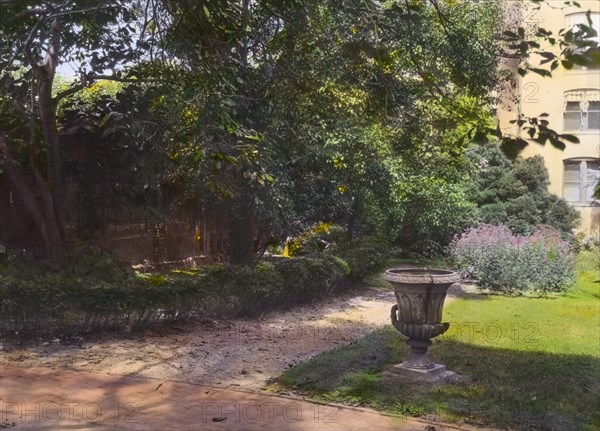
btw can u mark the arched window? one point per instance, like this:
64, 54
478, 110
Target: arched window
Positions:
580, 179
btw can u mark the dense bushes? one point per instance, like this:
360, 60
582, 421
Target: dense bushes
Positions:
516, 194
433, 211
491, 189
520, 246
87, 300
365, 257
60, 304
504, 262
321, 237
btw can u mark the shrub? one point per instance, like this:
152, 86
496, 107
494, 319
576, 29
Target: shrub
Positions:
245, 290
365, 257
434, 211
585, 243
318, 238
93, 261
516, 194
503, 262
79, 261
65, 304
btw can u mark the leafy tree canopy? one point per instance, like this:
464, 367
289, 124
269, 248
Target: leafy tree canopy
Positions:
287, 112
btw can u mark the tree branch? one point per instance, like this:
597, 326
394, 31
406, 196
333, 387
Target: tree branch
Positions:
71, 90
70, 12
417, 64
117, 79
28, 42
88, 81
27, 46
29, 12
51, 60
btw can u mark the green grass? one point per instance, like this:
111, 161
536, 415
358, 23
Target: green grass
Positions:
529, 363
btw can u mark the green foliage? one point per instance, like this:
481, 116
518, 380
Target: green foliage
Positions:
319, 238
516, 193
502, 262
365, 257
312, 276
290, 112
434, 211
330, 127
577, 45
92, 261
65, 304
583, 243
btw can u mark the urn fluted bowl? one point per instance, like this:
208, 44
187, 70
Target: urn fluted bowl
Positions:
420, 295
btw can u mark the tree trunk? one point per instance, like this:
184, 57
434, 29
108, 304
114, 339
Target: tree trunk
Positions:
44, 75
242, 215
352, 219
48, 120
241, 239
53, 243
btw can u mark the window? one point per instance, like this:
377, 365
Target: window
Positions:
573, 116
592, 178
593, 116
580, 179
582, 110
571, 22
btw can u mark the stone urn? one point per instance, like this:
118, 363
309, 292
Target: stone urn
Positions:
420, 295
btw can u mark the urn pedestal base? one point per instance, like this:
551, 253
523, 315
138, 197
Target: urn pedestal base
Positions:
435, 374
418, 359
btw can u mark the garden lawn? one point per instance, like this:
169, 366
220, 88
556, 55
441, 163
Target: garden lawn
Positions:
529, 363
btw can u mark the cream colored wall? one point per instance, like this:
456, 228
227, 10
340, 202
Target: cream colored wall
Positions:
537, 95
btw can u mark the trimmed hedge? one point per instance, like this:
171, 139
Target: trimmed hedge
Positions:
66, 305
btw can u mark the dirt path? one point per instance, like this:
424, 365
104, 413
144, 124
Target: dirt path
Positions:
236, 354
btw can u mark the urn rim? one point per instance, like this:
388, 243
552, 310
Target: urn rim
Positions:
421, 276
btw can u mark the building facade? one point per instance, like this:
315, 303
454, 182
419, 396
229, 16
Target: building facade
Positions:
571, 99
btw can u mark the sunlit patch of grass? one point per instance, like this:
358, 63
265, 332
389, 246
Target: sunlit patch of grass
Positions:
531, 363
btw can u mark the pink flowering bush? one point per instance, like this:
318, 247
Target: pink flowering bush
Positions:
503, 262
